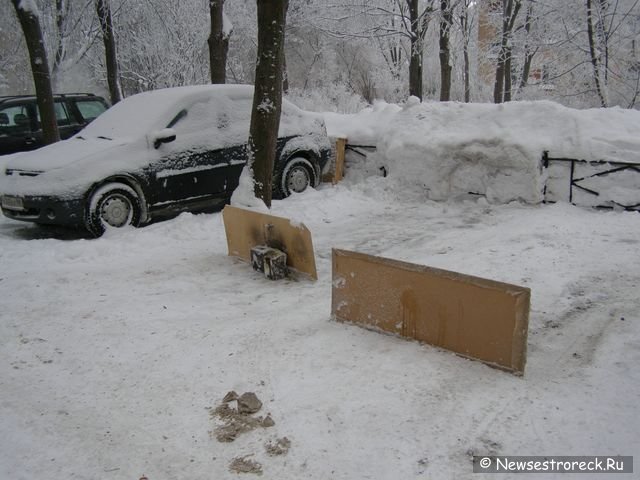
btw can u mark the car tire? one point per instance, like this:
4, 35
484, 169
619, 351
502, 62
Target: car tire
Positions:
113, 205
296, 176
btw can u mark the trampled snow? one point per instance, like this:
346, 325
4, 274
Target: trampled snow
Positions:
114, 349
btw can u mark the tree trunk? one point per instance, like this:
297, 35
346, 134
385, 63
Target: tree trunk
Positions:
445, 53
415, 64
285, 74
464, 22
218, 43
467, 72
528, 53
502, 87
106, 24
526, 68
30, 23
507, 75
498, 88
60, 33
267, 98
594, 55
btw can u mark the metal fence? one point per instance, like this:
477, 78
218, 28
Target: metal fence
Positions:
600, 183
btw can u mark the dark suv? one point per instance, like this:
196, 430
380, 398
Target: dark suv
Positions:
20, 128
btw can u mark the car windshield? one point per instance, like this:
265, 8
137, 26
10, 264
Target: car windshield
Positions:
132, 117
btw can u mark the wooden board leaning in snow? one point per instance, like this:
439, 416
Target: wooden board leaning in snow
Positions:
471, 316
246, 229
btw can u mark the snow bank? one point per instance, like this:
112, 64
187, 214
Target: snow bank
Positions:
364, 127
452, 149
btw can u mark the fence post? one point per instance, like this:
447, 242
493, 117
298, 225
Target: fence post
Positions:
341, 144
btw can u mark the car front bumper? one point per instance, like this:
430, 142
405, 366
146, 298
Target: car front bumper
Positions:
44, 209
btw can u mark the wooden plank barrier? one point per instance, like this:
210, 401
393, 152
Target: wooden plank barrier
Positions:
474, 317
246, 229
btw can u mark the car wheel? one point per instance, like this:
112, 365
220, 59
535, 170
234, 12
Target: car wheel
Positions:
113, 205
297, 175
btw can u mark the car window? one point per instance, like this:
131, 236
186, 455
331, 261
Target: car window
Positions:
62, 115
199, 116
179, 116
196, 127
234, 119
90, 109
14, 120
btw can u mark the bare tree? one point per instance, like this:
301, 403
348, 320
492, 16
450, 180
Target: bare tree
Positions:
502, 87
529, 50
218, 42
466, 27
354, 63
415, 62
30, 22
380, 19
594, 54
267, 97
61, 11
106, 24
446, 20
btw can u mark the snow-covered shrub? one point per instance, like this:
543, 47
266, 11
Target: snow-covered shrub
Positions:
333, 97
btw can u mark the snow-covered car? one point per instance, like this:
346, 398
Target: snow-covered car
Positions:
157, 154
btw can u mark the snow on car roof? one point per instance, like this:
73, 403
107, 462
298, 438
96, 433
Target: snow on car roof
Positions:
139, 114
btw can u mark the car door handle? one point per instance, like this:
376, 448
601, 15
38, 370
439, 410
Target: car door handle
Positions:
29, 140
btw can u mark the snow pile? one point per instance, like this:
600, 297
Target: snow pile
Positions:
294, 121
452, 149
362, 128
244, 197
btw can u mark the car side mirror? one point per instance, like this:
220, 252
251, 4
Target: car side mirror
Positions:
166, 135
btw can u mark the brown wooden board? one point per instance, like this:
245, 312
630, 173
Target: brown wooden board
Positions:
246, 229
471, 316
341, 144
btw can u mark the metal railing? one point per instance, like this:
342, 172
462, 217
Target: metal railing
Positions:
610, 169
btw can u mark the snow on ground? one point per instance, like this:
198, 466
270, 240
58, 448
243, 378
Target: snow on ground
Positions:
113, 349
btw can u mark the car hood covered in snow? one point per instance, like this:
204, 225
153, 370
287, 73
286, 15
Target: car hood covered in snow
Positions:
70, 167
63, 154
